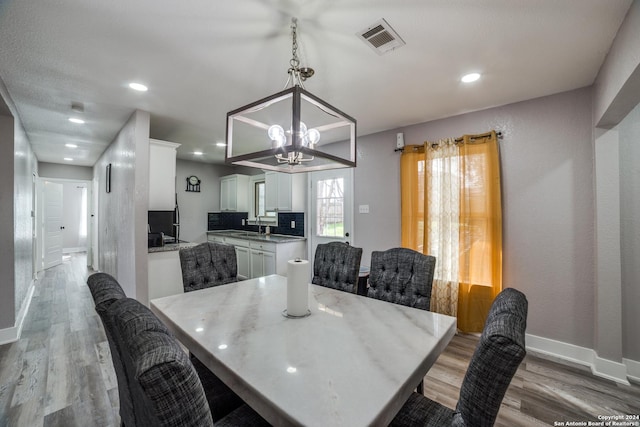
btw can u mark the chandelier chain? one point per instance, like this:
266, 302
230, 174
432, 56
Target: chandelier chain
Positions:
295, 62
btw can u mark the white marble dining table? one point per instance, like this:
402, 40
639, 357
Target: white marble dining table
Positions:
353, 362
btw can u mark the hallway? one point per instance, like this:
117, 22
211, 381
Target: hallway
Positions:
59, 373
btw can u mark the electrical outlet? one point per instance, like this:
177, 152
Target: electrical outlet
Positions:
293, 224
243, 221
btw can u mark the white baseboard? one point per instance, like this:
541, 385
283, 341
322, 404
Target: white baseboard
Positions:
609, 369
633, 369
12, 334
600, 367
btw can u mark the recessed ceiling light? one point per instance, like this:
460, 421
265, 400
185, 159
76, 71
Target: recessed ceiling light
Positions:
138, 86
221, 144
472, 77
197, 153
68, 159
76, 120
71, 145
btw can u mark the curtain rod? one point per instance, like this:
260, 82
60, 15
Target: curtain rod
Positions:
482, 135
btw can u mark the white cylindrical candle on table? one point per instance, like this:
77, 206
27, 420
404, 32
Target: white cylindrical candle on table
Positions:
298, 288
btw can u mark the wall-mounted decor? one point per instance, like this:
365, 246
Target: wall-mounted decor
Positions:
108, 178
193, 184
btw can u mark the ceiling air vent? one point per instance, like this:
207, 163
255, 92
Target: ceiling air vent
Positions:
381, 37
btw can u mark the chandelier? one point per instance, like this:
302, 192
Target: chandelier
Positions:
293, 130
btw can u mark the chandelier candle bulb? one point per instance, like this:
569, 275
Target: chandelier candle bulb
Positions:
298, 288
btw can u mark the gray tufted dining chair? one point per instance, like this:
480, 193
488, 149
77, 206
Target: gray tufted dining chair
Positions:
165, 386
402, 276
495, 361
203, 266
336, 265
208, 264
106, 290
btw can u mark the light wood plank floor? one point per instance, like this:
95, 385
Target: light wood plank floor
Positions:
59, 373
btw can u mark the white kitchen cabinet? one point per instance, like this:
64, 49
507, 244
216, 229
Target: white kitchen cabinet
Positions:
285, 192
262, 259
234, 193
273, 258
162, 175
242, 256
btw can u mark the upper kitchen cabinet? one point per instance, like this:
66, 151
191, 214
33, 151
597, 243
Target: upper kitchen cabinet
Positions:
285, 192
234, 193
162, 175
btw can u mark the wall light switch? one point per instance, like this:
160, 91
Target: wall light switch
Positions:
293, 224
363, 209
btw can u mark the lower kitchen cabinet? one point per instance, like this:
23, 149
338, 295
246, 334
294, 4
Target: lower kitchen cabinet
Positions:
263, 263
257, 258
242, 255
243, 261
272, 258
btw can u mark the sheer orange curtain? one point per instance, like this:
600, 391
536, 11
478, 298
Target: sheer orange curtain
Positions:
412, 196
480, 241
442, 204
451, 195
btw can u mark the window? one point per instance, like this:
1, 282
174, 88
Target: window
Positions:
258, 207
451, 209
259, 193
330, 206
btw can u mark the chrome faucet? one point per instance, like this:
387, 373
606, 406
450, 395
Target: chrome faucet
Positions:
259, 225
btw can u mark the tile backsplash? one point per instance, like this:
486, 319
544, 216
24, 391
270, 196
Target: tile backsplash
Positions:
233, 221
226, 220
284, 224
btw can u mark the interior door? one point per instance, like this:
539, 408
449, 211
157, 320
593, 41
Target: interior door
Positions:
52, 224
331, 210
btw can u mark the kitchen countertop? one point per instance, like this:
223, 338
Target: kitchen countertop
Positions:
172, 247
252, 235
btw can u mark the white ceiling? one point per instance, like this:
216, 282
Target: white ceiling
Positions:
203, 58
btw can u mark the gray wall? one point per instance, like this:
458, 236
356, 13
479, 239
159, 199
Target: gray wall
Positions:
547, 174
25, 168
617, 85
8, 302
55, 170
17, 169
194, 206
122, 213
616, 94
629, 130
377, 184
